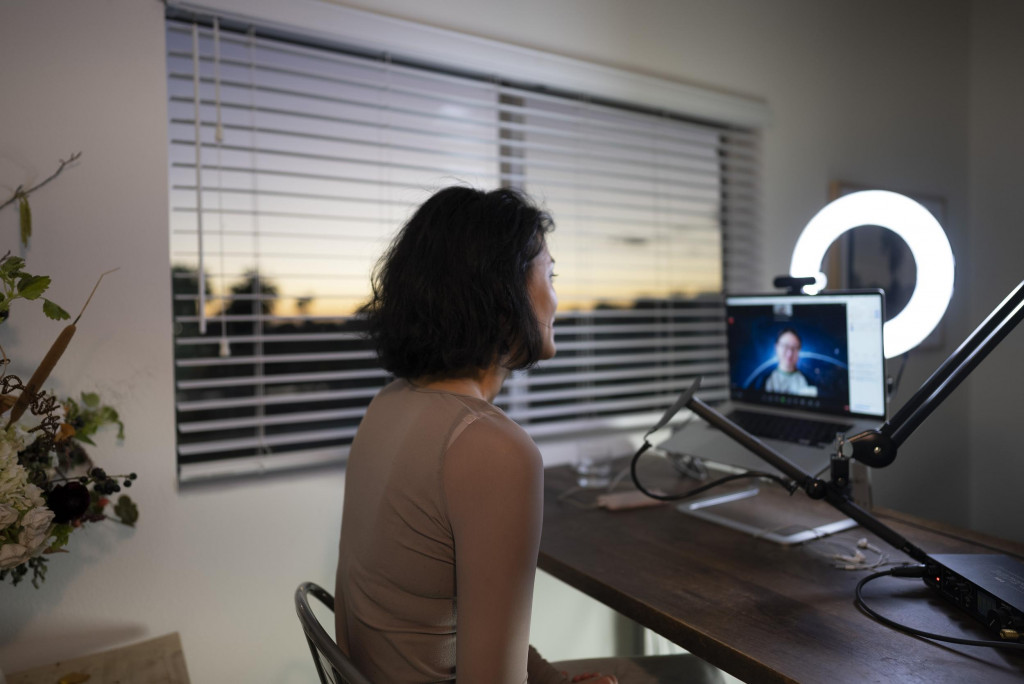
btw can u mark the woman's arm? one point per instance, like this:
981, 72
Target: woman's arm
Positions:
493, 481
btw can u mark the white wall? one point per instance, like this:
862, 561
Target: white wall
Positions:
996, 389
851, 97
219, 565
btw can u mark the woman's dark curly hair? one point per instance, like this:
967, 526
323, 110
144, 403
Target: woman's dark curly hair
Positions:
450, 294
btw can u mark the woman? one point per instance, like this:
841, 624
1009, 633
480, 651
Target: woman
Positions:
443, 492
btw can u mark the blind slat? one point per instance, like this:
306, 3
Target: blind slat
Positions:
276, 419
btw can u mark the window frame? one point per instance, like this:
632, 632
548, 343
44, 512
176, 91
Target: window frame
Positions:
729, 110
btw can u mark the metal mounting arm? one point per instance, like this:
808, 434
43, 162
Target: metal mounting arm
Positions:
878, 448
835, 493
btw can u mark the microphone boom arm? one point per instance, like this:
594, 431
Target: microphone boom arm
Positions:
877, 448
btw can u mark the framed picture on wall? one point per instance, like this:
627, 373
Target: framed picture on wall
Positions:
876, 257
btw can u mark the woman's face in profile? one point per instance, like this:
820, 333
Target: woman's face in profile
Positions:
541, 288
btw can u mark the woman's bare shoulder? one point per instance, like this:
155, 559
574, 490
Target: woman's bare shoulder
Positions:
496, 430
495, 449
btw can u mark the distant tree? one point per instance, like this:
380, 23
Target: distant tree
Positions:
261, 294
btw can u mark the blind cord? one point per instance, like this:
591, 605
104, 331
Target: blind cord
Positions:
224, 347
201, 269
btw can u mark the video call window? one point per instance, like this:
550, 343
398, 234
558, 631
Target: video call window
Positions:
791, 355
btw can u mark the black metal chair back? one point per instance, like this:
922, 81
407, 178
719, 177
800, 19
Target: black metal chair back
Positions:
333, 666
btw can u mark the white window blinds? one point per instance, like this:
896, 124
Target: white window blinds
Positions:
293, 165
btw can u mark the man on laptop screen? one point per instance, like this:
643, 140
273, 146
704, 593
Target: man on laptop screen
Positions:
801, 369
786, 378
796, 352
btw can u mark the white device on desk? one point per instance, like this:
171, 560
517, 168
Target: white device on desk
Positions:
835, 385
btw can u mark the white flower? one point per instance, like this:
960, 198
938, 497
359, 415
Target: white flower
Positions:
12, 555
10, 480
14, 487
8, 515
23, 514
35, 528
34, 496
11, 442
12, 475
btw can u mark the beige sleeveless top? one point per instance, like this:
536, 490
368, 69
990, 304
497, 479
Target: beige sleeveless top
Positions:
427, 469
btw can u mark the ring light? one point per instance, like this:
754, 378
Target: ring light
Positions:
923, 235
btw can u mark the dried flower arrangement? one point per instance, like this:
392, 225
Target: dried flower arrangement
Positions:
49, 486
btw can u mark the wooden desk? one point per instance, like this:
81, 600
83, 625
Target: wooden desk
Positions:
764, 612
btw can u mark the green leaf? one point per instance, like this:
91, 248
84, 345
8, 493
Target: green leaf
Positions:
53, 311
127, 510
91, 399
83, 436
31, 287
38, 565
61, 535
11, 265
25, 213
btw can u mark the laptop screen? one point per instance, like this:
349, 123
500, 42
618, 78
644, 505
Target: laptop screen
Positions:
813, 353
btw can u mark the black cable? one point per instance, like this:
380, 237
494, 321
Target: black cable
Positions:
918, 571
788, 485
899, 374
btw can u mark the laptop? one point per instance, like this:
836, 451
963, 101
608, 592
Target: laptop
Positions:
801, 369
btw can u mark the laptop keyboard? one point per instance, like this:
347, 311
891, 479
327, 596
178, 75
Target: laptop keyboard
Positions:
789, 429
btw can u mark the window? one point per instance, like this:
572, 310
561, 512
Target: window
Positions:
292, 165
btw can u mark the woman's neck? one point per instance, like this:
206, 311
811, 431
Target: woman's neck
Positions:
485, 385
